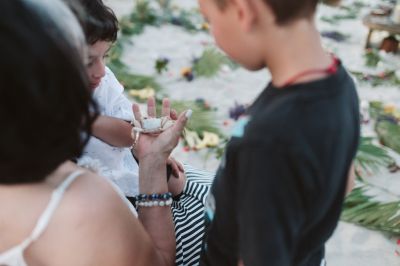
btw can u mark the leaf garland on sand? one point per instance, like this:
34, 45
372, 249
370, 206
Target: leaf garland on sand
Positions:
364, 210
387, 124
202, 130
211, 62
386, 78
346, 13
372, 57
130, 81
370, 157
144, 14
389, 134
360, 207
203, 119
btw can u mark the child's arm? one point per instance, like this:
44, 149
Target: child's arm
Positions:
113, 131
351, 179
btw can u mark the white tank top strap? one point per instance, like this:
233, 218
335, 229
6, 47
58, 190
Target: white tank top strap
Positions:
123, 198
48, 213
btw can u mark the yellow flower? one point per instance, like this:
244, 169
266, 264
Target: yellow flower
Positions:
389, 108
186, 70
205, 26
143, 94
194, 141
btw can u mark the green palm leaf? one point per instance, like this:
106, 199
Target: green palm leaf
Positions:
201, 120
389, 134
210, 63
370, 157
366, 211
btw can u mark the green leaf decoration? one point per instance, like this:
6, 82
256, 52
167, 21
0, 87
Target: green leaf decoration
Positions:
388, 78
210, 63
114, 55
142, 15
125, 77
129, 27
372, 57
370, 157
389, 134
375, 109
164, 4
335, 19
201, 120
365, 211
137, 81
161, 65
348, 12
190, 20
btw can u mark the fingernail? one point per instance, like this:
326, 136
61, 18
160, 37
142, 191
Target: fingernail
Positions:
188, 113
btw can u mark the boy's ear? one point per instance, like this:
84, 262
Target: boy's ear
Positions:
246, 12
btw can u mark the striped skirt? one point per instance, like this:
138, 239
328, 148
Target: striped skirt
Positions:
188, 215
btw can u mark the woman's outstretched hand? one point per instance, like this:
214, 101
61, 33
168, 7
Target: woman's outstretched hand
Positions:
159, 146
153, 151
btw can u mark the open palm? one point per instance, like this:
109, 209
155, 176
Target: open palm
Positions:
161, 144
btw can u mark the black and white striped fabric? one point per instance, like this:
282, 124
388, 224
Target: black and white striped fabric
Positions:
188, 215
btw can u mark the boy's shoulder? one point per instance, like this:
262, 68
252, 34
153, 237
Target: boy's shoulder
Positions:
288, 113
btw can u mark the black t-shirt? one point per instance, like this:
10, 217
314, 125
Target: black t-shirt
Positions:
279, 191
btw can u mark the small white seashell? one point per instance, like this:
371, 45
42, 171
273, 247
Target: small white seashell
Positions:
150, 124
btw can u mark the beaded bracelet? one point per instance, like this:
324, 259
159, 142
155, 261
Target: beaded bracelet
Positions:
150, 200
155, 203
149, 197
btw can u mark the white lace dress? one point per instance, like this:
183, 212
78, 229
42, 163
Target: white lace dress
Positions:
117, 164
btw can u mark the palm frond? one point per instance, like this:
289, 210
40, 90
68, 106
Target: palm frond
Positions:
389, 134
370, 157
142, 15
210, 63
201, 120
388, 78
364, 210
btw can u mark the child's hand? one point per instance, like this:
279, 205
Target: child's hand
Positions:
176, 166
176, 185
176, 177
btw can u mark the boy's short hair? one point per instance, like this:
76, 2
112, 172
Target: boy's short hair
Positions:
286, 10
101, 23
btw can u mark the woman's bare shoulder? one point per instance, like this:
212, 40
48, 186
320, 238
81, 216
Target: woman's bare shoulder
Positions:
95, 226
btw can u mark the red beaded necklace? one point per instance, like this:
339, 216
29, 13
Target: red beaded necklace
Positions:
330, 70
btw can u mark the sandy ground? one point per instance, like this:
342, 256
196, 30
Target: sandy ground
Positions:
350, 245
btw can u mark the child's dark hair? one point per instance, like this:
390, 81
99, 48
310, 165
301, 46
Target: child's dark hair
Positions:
101, 23
286, 10
46, 108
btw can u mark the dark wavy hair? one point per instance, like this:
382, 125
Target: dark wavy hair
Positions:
286, 11
46, 108
101, 23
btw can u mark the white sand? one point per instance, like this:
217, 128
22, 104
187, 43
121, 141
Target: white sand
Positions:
350, 245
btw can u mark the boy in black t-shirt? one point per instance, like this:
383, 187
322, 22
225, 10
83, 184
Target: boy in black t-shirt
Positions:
278, 194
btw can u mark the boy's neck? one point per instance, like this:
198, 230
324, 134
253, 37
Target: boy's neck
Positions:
293, 50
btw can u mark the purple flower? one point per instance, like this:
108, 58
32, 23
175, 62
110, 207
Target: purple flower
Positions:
237, 111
